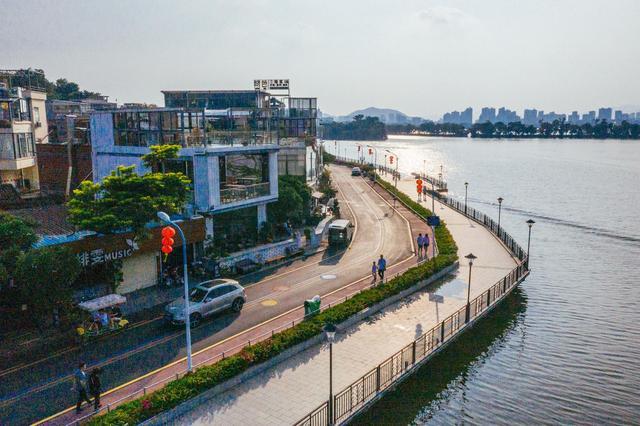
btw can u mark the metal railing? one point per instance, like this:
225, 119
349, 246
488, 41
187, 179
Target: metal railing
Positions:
348, 401
244, 192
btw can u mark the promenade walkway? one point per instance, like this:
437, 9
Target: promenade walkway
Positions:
290, 390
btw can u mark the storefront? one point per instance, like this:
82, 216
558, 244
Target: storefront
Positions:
142, 261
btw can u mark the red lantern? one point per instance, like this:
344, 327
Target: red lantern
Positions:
168, 232
167, 239
359, 148
391, 159
370, 151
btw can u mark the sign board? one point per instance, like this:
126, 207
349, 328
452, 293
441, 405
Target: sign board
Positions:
100, 255
279, 84
436, 298
433, 221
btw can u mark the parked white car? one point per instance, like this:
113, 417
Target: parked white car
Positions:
207, 298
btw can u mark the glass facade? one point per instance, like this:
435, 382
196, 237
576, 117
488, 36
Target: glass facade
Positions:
14, 110
213, 100
146, 128
14, 146
243, 177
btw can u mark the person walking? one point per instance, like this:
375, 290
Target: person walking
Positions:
374, 270
382, 266
80, 385
419, 242
95, 387
425, 246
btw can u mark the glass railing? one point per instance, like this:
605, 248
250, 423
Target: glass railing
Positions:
230, 138
234, 193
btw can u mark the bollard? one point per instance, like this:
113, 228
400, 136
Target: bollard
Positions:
222, 354
108, 408
144, 390
177, 376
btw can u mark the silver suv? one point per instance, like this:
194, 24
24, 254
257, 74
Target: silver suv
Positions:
206, 299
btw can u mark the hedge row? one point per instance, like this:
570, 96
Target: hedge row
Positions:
206, 377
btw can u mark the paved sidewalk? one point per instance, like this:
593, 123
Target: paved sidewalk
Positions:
290, 390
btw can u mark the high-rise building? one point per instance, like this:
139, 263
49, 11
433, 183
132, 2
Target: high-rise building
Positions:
506, 116
466, 117
574, 118
530, 117
487, 114
604, 114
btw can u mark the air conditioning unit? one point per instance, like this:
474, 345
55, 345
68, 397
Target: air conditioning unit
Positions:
38, 124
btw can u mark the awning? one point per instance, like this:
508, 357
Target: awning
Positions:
102, 302
317, 194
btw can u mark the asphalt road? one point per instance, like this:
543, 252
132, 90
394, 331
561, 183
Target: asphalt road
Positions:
33, 392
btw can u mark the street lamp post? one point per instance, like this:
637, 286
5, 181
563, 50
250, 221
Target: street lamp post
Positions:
500, 199
330, 331
375, 160
187, 317
530, 222
395, 175
466, 186
471, 258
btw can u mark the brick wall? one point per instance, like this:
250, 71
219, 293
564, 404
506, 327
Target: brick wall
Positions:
53, 165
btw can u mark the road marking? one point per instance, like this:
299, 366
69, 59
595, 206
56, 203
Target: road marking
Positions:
269, 302
181, 360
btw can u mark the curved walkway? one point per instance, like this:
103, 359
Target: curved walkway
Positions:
292, 389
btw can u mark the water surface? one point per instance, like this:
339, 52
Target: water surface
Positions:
571, 354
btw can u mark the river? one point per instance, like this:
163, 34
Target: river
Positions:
567, 349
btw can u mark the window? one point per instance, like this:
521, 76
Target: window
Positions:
36, 114
6, 146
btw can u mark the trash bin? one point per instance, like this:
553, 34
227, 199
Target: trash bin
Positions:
312, 306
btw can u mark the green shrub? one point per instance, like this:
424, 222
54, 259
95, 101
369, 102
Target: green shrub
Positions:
206, 377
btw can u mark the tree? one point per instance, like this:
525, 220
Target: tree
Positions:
44, 277
16, 232
126, 201
294, 201
158, 156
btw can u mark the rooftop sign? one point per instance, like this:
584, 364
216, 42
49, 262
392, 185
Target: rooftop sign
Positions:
280, 84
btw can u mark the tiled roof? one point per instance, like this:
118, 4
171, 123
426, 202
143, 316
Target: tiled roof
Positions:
51, 219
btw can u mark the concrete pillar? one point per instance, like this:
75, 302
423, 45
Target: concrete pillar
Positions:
208, 228
201, 183
273, 173
213, 162
262, 214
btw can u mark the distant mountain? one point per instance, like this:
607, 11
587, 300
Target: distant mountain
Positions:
386, 115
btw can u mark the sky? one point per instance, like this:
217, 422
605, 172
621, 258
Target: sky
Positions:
423, 57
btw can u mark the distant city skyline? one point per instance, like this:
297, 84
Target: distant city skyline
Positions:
423, 57
532, 116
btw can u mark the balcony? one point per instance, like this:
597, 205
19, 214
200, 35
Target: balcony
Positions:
230, 138
234, 193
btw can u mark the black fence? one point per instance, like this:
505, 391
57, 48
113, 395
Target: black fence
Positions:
355, 396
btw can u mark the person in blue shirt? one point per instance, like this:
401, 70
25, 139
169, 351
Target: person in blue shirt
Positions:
425, 246
419, 243
80, 385
382, 266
